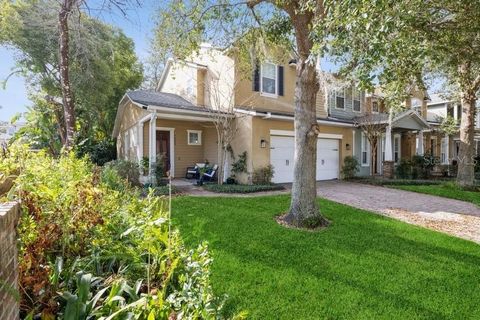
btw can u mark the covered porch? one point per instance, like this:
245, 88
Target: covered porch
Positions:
397, 141
178, 140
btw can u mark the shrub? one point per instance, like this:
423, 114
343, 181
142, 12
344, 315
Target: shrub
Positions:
404, 169
350, 167
99, 152
241, 188
88, 251
263, 175
240, 165
127, 170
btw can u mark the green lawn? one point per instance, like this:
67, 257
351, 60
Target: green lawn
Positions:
443, 190
363, 266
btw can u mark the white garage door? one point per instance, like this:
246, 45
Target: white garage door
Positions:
282, 153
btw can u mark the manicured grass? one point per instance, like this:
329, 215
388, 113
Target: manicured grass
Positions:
363, 266
444, 190
242, 188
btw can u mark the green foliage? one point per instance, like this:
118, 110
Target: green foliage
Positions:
88, 251
242, 188
103, 65
446, 190
418, 167
240, 165
350, 167
404, 169
263, 175
127, 170
394, 182
336, 264
99, 152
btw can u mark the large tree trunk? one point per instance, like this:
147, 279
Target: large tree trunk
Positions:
67, 96
466, 166
304, 211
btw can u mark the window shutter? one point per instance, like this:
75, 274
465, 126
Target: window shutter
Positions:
280, 80
256, 78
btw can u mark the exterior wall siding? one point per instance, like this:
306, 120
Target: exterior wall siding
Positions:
261, 130
347, 112
186, 155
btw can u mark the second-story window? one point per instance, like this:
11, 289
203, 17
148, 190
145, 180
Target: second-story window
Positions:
269, 78
340, 99
357, 95
375, 106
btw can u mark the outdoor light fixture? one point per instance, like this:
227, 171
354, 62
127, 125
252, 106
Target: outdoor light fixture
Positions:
263, 143
347, 146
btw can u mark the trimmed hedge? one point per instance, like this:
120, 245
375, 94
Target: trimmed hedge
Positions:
242, 188
394, 182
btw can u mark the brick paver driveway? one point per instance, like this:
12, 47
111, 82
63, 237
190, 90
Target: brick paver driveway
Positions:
382, 199
455, 217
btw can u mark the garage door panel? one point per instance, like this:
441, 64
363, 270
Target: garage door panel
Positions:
282, 156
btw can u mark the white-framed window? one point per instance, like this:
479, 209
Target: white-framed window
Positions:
396, 148
194, 137
356, 97
268, 79
375, 106
340, 99
444, 150
365, 158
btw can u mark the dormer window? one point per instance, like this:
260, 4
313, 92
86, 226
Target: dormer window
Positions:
375, 106
268, 78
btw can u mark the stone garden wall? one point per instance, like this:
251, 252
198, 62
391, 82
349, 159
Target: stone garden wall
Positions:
9, 306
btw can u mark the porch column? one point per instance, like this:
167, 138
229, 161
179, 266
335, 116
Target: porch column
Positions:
420, 150
388, 164
152, 143
140, 142
388, 144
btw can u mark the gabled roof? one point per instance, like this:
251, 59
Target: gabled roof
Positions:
163, 99
158, 101
398, 121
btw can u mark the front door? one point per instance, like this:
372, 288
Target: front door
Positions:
163, 149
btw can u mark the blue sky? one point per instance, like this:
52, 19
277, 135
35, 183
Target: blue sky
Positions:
138, 25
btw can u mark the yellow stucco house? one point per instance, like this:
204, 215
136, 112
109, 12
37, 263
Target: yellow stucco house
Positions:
176, 118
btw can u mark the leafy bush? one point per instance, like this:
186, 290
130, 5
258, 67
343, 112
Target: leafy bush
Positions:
388, 182
350, 167
241, 188
263, 175
240, 165
127, 170
99, 152
404, 169
89, 251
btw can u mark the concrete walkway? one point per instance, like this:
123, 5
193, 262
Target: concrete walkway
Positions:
458, 218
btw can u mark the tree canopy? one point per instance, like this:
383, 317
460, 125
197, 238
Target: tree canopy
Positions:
103, 64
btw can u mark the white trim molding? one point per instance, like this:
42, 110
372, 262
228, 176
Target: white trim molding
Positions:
172, 147
288, 133
199, 132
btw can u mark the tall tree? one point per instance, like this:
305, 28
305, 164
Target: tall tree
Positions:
248, 26
57, 41
399, 40
66, 8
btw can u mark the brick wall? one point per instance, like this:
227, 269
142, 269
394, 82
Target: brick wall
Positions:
9, 215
